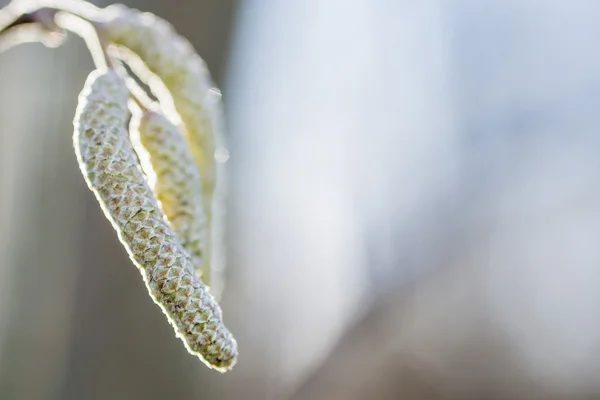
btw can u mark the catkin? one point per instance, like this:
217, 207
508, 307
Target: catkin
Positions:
112, 171
173, 59
177, 184
157, 48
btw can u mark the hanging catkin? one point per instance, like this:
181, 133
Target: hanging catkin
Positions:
112, 171
173, 59
157, 48
177, 184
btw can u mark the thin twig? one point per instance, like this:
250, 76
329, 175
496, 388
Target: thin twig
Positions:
88, 33
77, 17
43, 17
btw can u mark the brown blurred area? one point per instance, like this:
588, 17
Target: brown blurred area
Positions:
413, 212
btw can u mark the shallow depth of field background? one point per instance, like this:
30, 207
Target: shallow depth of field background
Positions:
414, 209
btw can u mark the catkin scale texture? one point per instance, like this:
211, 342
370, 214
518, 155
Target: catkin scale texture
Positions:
177, 185
112, 171
159, 49
173, 59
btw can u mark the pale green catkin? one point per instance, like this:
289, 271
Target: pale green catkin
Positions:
112, 171
177, 184
185, 76
173, 59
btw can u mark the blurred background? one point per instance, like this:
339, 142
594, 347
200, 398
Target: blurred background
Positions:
414, 209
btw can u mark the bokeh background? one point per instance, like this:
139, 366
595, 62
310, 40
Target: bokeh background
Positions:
414, 209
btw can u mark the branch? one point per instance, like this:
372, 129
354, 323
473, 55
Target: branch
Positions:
44, 19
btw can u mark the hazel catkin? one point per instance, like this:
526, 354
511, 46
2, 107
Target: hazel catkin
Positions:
156, 50
111, 169
177, 184
173, 59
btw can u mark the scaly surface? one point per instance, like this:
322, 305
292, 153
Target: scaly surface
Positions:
173, 59
161, 51
177, 183
112, 171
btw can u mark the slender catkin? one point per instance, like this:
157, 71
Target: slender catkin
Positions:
154, 46
177, 184
112, 171
173, 59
